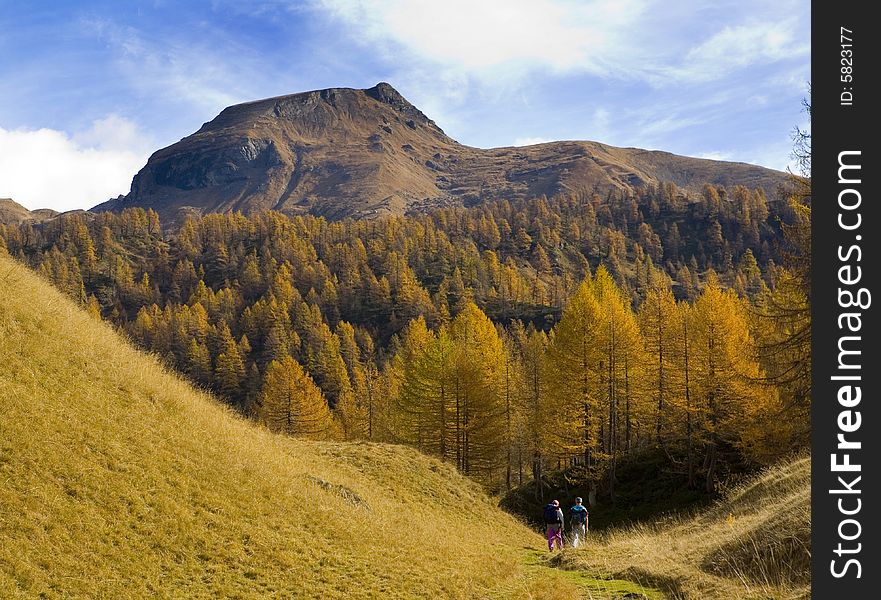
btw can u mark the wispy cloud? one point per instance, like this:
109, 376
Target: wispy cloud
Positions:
737, 47
668, 124
504, 41
714, 155
530, 141
184, 69
494, 38
47, 168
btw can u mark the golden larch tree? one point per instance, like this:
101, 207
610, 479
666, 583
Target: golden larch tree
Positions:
290, 402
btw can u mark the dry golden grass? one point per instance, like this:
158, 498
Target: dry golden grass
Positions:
118, 480
755, 544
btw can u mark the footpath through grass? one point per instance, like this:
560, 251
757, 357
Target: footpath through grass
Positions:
558, 572
752, 545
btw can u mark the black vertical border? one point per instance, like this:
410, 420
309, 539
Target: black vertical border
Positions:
836, 128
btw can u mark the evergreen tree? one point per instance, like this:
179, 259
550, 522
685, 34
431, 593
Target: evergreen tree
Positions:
290, 402
479, 362
726, 371
229, 368
573, 366
658, 325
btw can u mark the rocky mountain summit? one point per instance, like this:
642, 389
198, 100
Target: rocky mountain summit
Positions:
345, 152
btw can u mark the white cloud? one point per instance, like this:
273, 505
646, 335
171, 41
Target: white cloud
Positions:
775, 156
530, 141
502, 41
797, 78
737, 47
113, 132
664, 125
601, 117
742, 45
185, 69
715, 155
47, 168
495, 37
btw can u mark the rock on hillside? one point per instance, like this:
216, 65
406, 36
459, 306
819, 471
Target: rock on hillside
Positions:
345, 152
13, 213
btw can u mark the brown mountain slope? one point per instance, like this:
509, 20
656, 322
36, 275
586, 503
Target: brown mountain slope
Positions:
344, 152
13, 213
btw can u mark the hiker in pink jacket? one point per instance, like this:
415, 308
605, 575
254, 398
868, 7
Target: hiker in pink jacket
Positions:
554, 521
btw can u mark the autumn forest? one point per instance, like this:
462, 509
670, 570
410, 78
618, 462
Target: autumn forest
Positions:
507, 338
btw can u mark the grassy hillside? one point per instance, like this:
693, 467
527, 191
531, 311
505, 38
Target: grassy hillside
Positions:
120, 480
754, 544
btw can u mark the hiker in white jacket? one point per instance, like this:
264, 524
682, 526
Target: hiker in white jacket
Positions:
578, 520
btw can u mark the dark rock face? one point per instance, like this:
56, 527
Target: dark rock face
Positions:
212, 166
344, 152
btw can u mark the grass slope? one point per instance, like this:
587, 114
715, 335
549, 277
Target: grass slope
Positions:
753, 544
120, 480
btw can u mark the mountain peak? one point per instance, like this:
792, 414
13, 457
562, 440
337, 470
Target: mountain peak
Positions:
384, 92
347, 152
318, 110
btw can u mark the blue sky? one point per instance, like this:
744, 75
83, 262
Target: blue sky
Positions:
90, 89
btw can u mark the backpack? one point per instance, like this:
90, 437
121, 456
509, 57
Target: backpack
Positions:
578, 514
551, 514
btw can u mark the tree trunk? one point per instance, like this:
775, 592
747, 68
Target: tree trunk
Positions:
627, 441
688, 418
658, 425
711, 466
537, 476
519, 465
711, 405
369, 404
458, 427
508, 424
443, 422
613, 415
